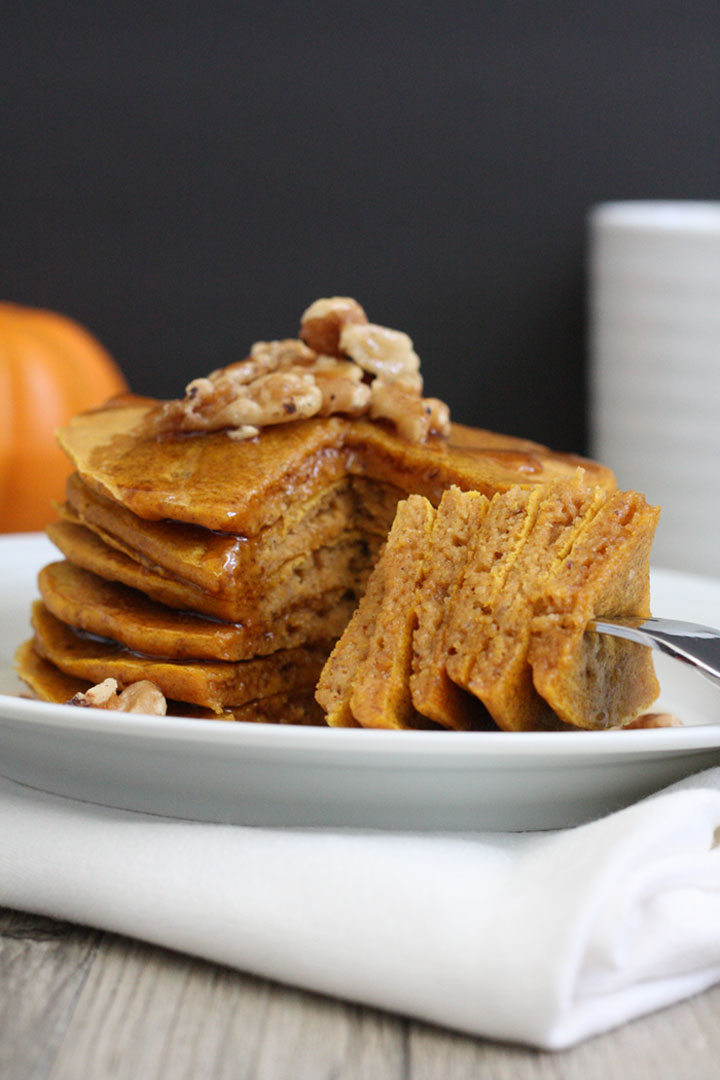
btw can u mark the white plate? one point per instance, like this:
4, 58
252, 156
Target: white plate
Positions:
260, 774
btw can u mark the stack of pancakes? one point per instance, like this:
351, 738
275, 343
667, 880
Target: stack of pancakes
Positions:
224, 571
484, 603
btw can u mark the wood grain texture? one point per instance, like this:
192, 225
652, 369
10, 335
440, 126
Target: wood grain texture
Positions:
76, 1004
151, 1013
43, 967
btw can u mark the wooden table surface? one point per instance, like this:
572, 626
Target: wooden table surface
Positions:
78, 1004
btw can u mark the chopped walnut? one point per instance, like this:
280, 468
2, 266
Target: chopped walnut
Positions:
414, 417
221, 402
324, 321
654, 720
97, 697
244, 431
265, 356
204, 400
277, 398
342, 387
289, 352
140, 697
296, 379
386, 353
207, 400
290, 394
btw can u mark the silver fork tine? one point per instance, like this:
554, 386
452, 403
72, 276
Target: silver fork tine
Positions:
692, 643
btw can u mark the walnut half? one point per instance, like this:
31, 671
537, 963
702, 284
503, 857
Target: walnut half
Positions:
323, 322
386, 353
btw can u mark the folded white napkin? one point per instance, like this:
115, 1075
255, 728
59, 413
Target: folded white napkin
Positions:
542, 938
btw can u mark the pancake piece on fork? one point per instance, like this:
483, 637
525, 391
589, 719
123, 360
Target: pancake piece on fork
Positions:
592, 680
525, 539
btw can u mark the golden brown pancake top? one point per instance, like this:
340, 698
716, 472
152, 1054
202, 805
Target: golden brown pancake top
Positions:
241, 487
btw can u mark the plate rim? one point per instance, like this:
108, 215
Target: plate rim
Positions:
262, 736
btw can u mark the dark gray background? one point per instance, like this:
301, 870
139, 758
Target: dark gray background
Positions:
185, 179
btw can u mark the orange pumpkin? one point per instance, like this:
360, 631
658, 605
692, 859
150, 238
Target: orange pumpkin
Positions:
50, 369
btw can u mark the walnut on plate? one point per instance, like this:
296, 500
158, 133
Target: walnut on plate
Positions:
140, 697
653, 720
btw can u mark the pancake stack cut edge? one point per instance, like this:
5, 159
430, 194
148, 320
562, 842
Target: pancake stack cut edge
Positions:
238, 575
488, 618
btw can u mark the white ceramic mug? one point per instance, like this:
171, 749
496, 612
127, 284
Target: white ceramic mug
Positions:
654, 344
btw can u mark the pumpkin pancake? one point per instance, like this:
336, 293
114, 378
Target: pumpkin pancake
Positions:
458, 521
593, 680
491, 656
110, 610
375, 504
213, 686
43, 678
471, 458
505, 527
207, 480
365, 681
381, 687
85, 549
244, 486
257, 602
335, 685
296, 709
213, 561
51, 684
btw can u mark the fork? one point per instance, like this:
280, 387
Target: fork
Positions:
696, 645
